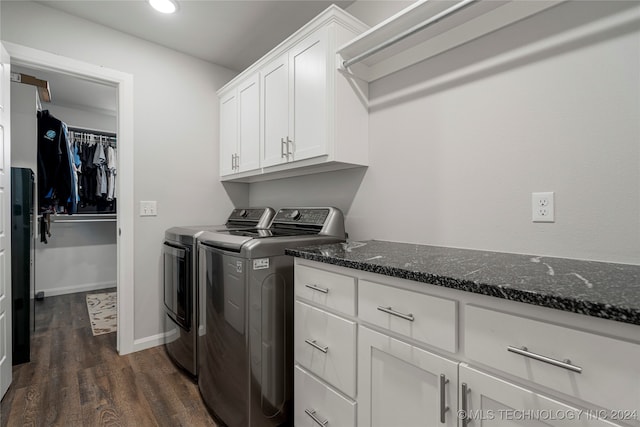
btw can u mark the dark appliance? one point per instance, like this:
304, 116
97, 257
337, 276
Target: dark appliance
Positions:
181, 302
22, 198
246, 343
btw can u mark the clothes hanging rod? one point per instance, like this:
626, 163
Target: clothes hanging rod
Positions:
92, 131
411, 31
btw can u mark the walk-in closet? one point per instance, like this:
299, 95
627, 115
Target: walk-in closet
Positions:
69, 141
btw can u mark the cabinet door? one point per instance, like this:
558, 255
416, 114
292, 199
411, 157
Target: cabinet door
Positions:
275, 104
228, 133
308, 63
491, 401
249, 125
403, 386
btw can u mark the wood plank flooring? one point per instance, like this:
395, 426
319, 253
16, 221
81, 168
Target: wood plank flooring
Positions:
76, 379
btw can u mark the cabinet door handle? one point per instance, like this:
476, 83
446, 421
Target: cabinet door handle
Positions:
314, 417
317, 346
282, 144
566, 364
233, 162
463, 404
237, 161
389, 310
443, 404
317, 288
289, 144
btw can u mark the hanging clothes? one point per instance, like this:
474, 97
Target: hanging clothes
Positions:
97, 170
57, 189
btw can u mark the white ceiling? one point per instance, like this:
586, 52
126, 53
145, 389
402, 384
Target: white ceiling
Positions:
233, 33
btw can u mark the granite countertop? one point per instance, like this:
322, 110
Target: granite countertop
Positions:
600, 289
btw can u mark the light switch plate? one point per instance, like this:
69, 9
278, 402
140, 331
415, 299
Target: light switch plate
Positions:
148, 208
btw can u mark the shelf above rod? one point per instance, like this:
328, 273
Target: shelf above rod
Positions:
411, 31
84, 220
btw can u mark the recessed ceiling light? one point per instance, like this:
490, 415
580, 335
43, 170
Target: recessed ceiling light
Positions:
164, 6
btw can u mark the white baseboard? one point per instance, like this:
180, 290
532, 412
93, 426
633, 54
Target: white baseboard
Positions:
148, 342
76, 288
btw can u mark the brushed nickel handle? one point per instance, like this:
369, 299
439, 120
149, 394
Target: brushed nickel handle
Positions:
443, 407
233, 161
566, 364
391, 311
317, 288
317, 346
312, 414
282, 144
289, 144
463, 405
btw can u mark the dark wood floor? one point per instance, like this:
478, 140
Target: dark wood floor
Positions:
76, 379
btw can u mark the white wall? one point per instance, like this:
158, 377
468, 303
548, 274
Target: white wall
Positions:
458, 143
175, 131
84, 118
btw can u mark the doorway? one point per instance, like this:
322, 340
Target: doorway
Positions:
72, 253
122, 83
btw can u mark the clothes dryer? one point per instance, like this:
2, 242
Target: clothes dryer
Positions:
180, 263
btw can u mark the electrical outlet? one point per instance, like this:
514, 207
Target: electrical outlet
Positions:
542, 207
148, 208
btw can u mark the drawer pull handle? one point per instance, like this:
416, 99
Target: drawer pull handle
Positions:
464, 390
443, 407
389, 310
566, 364
317, 288
317, 346
314, 417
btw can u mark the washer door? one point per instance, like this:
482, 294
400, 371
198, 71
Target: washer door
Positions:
177, 277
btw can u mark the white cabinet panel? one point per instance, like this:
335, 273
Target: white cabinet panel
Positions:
493, 402
400, 385
607, 364
326, 289
248, 150
317, 400
425, 318
326, 345
228, 133
308, 62
275, 101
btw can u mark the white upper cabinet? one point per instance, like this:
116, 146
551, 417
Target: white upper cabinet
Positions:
311, 116
275, 101
240, 128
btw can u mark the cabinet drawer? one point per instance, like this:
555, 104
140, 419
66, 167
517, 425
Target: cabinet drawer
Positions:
425, 318
610, 372
326, 289
325, 344
315, 399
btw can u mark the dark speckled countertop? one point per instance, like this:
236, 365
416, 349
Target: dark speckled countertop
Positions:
600, 289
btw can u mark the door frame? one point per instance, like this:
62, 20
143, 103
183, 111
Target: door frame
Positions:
123, 82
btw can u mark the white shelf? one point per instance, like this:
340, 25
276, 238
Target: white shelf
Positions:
468, 23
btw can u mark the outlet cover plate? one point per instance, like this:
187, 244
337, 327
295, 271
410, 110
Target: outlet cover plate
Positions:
543, 207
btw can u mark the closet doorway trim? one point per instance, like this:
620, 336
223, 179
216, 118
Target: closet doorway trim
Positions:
123, 82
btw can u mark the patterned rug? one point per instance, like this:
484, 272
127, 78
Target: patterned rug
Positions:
103, 312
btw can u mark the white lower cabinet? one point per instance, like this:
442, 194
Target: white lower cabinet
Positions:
402, 385
544, 371
487, 401
317, 404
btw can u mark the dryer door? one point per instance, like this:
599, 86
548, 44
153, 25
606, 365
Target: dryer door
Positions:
177, 277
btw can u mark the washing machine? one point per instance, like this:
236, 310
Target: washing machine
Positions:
246, 280
181, 302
